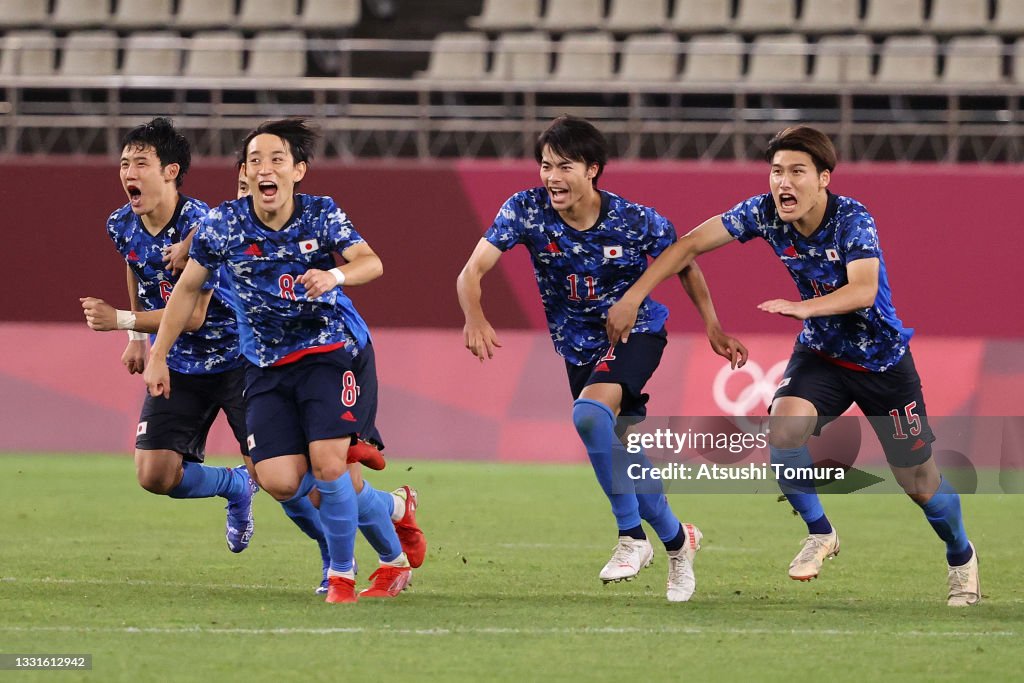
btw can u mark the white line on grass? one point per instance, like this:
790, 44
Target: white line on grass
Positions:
145, 582
603, 546
683, 630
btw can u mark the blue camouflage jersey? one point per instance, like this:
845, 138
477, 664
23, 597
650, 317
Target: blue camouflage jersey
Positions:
212, 348
276, 321
871, 338
581, 273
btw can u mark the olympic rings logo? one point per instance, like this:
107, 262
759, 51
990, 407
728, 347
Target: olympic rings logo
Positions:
759, 391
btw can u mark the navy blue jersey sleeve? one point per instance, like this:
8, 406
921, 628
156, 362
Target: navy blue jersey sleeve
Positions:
748, 219
661, 233
338, 231
209, 246
859, 237
507, 229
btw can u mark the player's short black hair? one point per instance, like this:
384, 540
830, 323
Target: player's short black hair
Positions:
805, 139
296, 131
576, 139
171, 147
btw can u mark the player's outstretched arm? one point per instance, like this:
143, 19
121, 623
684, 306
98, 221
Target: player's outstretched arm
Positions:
176, 315
697, 289
480, 337
859, 293
363, 266
709, 235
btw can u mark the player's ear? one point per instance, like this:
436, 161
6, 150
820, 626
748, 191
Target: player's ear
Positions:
300, 171
171, 171
824, 178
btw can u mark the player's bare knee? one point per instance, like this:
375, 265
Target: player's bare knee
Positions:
156, 474
280, 490
789, 432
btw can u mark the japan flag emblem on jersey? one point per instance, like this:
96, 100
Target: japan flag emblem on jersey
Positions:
308, 246
832, 254
614, 251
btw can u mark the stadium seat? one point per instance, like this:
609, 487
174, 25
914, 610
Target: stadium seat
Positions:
974, 60
713, 59
29, 53
19, 13
503, 15
653, 57
893, 16
843, 59
522, 57
908, 59
263, 14
778, 59
829, 16
214, 54
203, 14
89, 53
133, 14
570, 15
330, 15
958, 16
1009, 17
759, 16
701, 16
627, 16
457, 56
585, 57
74, 14
277, 54
1017, 74
154, 53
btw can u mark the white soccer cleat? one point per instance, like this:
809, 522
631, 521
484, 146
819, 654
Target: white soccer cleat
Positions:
964, 586
630, 556
817, 548
681, 581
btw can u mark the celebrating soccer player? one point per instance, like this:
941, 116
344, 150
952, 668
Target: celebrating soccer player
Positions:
206, 363
311, 384
853, 347
588, 246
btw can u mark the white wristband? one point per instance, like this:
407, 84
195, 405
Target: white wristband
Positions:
125, 320
136, 336
338, 275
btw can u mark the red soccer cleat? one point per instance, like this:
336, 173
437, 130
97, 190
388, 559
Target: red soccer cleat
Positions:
340, 589
387, 582
366, 454
414, 543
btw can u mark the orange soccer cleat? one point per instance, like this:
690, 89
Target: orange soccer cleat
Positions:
367, 455
387, 582
414, 543
341, 589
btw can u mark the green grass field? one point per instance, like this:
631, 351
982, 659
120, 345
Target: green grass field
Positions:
90, 563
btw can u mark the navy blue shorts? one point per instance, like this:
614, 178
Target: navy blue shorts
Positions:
320, 396
629, 365
182, 422
893, 401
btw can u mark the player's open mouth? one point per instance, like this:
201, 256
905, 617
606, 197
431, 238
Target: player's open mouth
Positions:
787, 201
557, 192
134, 194
268, 190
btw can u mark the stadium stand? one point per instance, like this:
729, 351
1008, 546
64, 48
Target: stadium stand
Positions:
153, 53
843, 59
650, 57
714, 59
829, 16
573, 15
457, 56
522, 57
958, 16
908, 59
1009, 18
277, 54
893, 16
585, 57
23, 13
626, 16
138, 14
215, 54
778, 58
89, 53
502, 15
330, 15
975, 60
759, 16
266, 14
701, 16
204, 14
29, 53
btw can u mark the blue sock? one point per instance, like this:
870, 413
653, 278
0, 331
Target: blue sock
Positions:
801, 492
200, 481
301, 511
375, 508
595, 423
654, 507
339, 515
943, 513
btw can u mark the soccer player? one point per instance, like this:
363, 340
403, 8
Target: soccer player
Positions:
853, 348
588, 246
311, 386
206, 362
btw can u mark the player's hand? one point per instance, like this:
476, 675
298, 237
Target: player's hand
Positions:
134, 357
99, 315
728, 347
317, 282
481, 339
175, 256
620, 321
790, 309
157, 377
